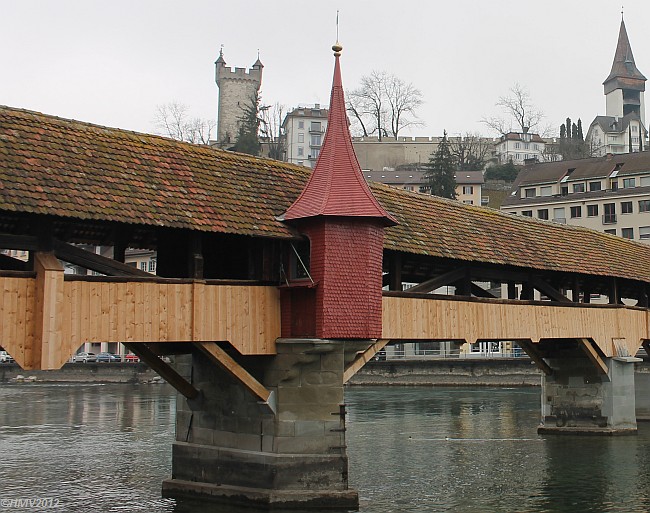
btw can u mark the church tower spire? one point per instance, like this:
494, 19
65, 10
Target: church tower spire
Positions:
625, 85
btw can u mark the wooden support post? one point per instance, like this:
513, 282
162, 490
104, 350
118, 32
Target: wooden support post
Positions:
47, 351
195, 256
614, 298
363, 358
121, 237
575, 290
532, 351
526, 291
593, 355
512, 290
166, 371
219, 356
395, 272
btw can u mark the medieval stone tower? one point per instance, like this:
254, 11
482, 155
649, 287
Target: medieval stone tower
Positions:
237, 88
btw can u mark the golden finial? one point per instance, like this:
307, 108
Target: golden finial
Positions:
337, 46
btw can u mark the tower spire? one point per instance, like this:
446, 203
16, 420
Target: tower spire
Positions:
623, 66
337, 186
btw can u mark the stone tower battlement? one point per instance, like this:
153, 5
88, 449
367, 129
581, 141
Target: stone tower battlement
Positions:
237, 88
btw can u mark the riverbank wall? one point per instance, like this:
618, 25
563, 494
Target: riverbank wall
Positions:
82, 373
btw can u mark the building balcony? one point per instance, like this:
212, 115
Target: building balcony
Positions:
609, 219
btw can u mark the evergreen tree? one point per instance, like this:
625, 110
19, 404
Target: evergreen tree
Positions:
581, 136
507, 172
641, 140
248, 140
562, 133
568, 128
441, 170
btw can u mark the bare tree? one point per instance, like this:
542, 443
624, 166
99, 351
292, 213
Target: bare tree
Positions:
271, 132
384, 104
369, 102
403, 101
173, 120
471, 151
518, 108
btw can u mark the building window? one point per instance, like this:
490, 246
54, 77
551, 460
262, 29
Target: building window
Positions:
644, 205
628, 183
644, 232
315, 140
314, 153
143, 266
468, 189
529, 193
576, 212
626, 207
614, 185
542, 213
635, 128
527, 213
558, 215
152, 265
564, 190
315, 126
535, 146
594, 186
301, 124
468, 202
645, 181
517, 146
611, 231
578, 187
592, 210
546, 190
301, 138
609, 216
627, 233
301, 151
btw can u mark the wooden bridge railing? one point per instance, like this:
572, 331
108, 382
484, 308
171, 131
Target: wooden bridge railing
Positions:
614, 328
46, 317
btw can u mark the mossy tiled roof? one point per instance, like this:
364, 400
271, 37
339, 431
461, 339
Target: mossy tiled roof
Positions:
71, 169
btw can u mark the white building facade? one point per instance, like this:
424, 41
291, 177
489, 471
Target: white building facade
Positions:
303, 131
519, 147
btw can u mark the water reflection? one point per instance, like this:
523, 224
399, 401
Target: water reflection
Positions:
108, 448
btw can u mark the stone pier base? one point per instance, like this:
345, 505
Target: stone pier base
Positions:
230, 448
576, 399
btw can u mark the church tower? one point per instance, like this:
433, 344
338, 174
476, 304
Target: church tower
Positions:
237, 88
625, 85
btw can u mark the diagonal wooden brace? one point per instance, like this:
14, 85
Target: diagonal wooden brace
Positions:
219, 356
363, 358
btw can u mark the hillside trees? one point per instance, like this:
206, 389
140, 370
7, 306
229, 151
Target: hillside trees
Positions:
173, 120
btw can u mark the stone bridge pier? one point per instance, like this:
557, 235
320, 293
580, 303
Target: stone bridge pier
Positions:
587, 395
289, 453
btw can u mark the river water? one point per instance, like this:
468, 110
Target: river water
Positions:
412, 449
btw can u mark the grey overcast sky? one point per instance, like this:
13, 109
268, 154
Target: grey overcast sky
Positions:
112, 62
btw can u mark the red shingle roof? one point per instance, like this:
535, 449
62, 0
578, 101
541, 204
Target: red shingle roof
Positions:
337, 186
66, 168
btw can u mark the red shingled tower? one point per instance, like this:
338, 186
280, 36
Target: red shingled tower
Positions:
345, 226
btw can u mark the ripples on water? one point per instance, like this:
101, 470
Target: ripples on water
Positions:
419, 449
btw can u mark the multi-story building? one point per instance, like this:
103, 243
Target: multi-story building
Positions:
623, 128
237, 89
468, 183
519, 147
610, 194
303, 130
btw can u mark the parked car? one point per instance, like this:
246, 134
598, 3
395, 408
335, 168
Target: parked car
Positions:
107, 357
131, 358
84, 358
5, 357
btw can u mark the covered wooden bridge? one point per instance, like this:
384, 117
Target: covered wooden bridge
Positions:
244, 290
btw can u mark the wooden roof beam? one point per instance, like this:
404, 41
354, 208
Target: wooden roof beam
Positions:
440, 281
